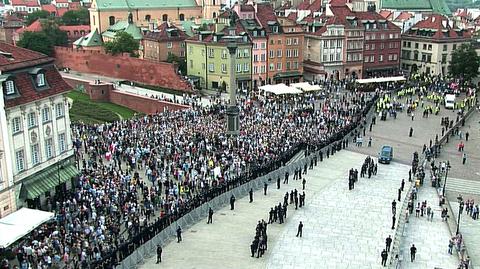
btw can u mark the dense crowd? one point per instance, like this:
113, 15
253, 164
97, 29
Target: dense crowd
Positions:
140, 175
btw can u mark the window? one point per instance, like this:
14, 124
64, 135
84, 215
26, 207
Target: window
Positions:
382, 46
164, 17
424, 46
35, 154
224, 68
263, 57
246, 67
445, 47
32, 119
289, 41
9, 87
211, 52
224, 54
49, 148
211, 67
239, 68
271, 67
429, 46
287, 66
295, 41
148, 17
262, 69
255, 58
16, 125
40, 80
61, 143
169, 45
279, 66
416, 45
279, 53
190, 50
372, 58
271, 53
454, 46
367, 47
325, 44
181, 17
295, 53
255, 69
246, 53
111, 20
20, 160
288, 53
372, 47
45, 114
59, 110
295, 66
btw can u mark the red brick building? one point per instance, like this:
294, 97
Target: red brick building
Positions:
166, 39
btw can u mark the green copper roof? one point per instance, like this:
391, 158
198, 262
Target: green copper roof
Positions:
143, 4
91, 40
436, 6
130, 28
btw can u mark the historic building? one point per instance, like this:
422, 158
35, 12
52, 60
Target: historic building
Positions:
164, 40
428, 45
35, 128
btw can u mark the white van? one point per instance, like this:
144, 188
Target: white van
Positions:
450, 101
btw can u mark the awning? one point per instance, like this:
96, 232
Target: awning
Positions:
306, 87
46, 180
279, 89
378, 80
288, 74
20, 223
243, 79
193, 78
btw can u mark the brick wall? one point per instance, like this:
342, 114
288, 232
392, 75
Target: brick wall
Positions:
121, 66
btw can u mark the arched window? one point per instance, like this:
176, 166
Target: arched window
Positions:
214, 15
111, 20
164, 17
213, 2
147, 18
182, 17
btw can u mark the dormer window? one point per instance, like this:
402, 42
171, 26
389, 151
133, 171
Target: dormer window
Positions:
9, 87
40, 80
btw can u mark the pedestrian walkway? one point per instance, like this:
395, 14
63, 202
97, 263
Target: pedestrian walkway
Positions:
469, 228
430, 237
342, 228
362, 215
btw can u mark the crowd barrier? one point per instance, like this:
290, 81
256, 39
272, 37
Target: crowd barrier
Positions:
148, 249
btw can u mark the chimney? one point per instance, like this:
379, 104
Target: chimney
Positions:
444, 23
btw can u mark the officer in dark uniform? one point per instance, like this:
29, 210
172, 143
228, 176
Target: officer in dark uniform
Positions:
250, 193
232, 202
210, 215
159, 253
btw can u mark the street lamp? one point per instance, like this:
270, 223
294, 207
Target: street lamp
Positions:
446, 176
459, 199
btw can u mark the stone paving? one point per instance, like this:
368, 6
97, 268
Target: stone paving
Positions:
342, 228
469, 228
430, 237
359, 220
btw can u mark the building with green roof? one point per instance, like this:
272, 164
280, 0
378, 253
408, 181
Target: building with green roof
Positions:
106, 13
92, 40
123, 26
430, 6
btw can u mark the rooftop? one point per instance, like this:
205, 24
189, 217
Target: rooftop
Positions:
435, 6
437, 27
166, 32
12, 57
143, 4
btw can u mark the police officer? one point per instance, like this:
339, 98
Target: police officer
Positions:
232, 202
250, 193
210, 215
179, 234
159, 253
300, 229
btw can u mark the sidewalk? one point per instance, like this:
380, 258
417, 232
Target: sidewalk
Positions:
430, 237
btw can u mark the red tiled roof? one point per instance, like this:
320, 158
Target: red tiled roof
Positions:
162, 34
71, 28
315, 6
61, 11
265, 14
50, 8
286, 5
27, 91
403, 16
441, 25
248, 8
20, 57
74, 5
304, 5
36, 26
338, 3
385, 13
28, 3
292, 16
61, 1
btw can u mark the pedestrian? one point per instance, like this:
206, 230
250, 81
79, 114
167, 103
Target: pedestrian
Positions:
388, 243
413, 116
413, 251
179, 234
265, 186
370, 141
159, 253
394, 207
232, 202
464, 158
300, 229
278, 182
250, 193
384, 255
411, 132
399, 194
304, 181
402, 186
393, 222
466, 136
210, 216
450, 247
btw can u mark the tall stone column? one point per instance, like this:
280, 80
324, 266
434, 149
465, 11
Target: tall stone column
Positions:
233, 123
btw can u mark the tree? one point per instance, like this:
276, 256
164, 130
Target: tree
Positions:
57, 36
182, 64
39, 14
465, 62
76, 17
123, 42
37, 41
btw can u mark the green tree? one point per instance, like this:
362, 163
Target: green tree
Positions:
123, 42
37, 41
465, 62
76, 17
40, 14
57, 36
182, 64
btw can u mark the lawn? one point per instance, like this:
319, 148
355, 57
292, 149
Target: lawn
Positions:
85, 110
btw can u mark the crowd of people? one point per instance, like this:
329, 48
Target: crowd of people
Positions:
140, 175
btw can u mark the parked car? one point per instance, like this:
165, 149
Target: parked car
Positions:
386, 154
